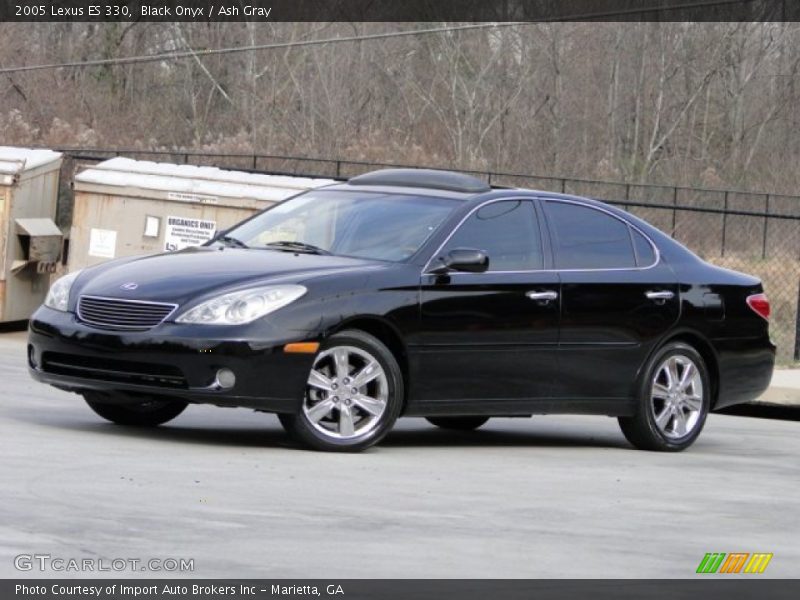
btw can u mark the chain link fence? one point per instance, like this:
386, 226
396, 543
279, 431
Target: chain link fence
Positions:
757, 233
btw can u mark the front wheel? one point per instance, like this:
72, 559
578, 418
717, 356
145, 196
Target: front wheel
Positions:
353, 395
145, 413
674, 400
457, 423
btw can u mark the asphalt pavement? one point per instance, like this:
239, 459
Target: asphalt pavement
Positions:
554, 496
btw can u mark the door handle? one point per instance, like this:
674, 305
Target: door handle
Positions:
662, 295
546, 296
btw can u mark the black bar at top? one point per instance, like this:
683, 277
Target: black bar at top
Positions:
400, 10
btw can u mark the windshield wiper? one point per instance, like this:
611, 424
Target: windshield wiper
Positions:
232, 241
297, 247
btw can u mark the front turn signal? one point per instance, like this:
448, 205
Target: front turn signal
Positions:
301, 348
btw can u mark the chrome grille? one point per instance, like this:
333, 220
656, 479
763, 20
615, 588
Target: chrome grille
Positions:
127, 315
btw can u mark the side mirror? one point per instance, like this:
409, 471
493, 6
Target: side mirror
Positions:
467, 260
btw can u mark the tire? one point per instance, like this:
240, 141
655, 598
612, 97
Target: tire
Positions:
144, 413
457, 423
670, 417
339, 415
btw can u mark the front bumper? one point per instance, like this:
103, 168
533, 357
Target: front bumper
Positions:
172, 360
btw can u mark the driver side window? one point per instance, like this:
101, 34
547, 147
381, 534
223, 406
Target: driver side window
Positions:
507, 231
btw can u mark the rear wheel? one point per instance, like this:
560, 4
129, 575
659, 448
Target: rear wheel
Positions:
457, 423
148, 412
353, 395
674, 400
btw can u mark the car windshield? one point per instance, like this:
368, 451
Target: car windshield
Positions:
388, 227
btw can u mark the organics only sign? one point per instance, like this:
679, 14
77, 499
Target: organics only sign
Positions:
182, 232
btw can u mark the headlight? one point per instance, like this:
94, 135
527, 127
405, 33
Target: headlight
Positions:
243, 306
58, 294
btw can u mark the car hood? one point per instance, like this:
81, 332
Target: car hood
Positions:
178, 277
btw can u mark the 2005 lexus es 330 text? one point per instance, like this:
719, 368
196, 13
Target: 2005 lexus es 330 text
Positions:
417, 293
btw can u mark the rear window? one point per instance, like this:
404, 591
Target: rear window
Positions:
587, 238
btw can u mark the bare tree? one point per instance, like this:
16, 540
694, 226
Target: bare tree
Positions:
657, 102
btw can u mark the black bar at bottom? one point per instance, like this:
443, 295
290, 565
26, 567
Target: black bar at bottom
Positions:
707, 587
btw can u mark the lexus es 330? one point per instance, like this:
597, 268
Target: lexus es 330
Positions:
414, 293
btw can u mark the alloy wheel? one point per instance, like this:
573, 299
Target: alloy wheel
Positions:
347, 393
676, 396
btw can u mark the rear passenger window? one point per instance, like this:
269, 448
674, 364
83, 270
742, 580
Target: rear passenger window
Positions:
645, 255
585, 238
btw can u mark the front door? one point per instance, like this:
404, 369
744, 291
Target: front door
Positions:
488, 341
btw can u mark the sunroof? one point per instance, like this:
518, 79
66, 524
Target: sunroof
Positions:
423, 178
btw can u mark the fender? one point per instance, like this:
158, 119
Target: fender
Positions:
705, 348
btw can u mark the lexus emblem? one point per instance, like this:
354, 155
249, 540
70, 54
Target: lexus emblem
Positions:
129, 286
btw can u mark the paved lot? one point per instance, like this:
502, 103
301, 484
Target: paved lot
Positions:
542, 497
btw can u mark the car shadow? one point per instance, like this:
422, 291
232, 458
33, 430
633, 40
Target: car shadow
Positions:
781, 412
494, 436
243, 435
265, 432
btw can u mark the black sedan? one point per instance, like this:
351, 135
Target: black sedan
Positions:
415, 293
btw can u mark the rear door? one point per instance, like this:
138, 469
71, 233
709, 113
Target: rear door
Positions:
491, 336
617, 299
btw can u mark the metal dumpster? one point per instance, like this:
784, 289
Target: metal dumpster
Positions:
30, 241
125, 207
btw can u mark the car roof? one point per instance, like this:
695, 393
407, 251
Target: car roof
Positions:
448, 181
396, 190
414, 182
450, 184
439, 183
